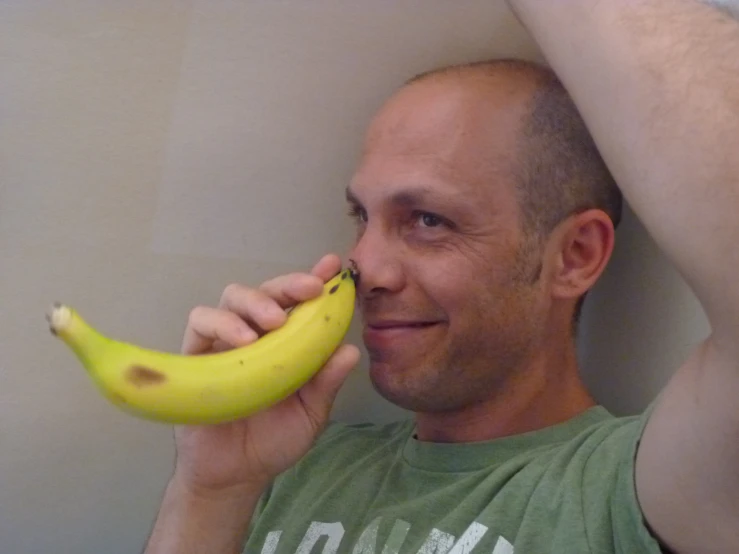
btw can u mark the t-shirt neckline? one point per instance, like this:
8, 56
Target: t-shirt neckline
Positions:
462, 457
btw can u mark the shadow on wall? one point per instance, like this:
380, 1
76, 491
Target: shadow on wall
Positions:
640, 322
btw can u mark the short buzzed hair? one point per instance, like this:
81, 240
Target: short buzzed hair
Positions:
558, 171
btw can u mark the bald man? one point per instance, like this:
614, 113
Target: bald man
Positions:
486, 201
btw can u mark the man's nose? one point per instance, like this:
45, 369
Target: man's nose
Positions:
378, 262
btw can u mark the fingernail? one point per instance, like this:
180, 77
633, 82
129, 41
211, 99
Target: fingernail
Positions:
248, 335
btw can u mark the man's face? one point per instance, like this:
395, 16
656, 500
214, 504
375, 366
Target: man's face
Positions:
447, 291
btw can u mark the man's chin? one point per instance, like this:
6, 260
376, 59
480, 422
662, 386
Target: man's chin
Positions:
387, 381
401, 388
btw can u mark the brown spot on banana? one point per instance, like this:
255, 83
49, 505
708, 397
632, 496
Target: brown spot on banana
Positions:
334, 288
327, 318
140, 376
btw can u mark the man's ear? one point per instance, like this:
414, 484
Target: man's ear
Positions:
580, 248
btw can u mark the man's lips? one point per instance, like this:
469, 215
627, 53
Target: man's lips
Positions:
391, 333
397, 324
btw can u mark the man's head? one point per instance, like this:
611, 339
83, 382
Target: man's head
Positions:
559, 171
484, 215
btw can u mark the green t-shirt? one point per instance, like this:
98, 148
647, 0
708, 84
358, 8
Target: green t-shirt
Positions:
375, 489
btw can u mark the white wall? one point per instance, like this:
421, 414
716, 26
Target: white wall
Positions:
151, 152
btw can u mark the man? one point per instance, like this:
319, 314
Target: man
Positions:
484, 215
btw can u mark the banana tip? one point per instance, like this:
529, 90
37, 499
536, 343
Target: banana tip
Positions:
58, 317
353, 271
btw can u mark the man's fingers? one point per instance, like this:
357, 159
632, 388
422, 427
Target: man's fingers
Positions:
244, 312
254, 306
289, 290
328, 266
207, 326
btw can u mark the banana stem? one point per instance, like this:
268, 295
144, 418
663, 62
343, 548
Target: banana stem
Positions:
67, 325
58, 317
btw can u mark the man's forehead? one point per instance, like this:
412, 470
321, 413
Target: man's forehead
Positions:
410, 185
444, 119
419, 114
451, 134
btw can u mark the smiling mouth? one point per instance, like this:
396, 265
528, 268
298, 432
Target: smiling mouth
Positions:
420, 324
393, 335
409, 325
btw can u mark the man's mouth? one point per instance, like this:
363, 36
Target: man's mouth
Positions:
396, 333
386, 325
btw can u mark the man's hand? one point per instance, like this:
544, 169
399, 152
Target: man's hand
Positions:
255, 450
657, 82
222, 470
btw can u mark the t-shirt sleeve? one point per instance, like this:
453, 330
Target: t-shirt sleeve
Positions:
613, 517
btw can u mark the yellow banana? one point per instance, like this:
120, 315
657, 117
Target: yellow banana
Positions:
214, 387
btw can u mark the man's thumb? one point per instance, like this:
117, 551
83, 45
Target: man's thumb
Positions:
319, 393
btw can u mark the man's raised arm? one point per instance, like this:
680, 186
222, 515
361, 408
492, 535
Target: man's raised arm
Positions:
657, 82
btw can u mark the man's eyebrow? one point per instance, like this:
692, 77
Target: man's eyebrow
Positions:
351, 197
412, 197
409, 197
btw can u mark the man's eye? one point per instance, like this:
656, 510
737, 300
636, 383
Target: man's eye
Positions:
358, 213
430, 220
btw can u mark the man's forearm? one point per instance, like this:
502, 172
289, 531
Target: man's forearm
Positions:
657, 82
190, 523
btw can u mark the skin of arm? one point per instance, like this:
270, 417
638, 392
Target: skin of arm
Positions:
657, 82
190, 522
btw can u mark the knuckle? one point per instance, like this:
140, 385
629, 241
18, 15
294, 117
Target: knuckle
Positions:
196, 315
232, 291
271, 285
284, 283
